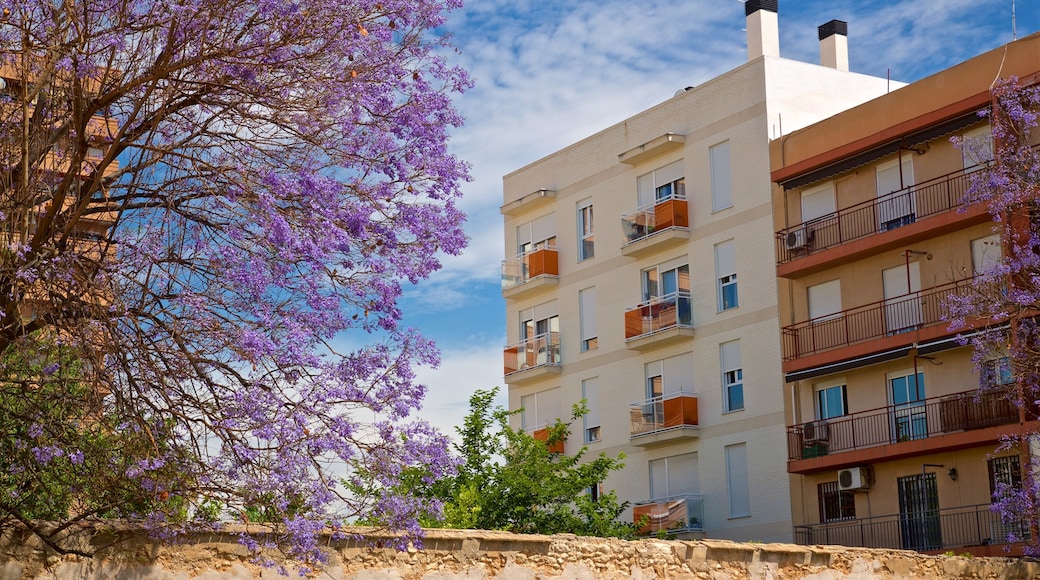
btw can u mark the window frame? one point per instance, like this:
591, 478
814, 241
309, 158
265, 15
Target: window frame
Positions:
726, 277
586, 231
818, 400
844, 501
732, 379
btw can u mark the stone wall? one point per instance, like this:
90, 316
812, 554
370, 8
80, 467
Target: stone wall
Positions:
475, 555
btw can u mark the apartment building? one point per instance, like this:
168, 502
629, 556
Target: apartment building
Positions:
889, 441
640, 278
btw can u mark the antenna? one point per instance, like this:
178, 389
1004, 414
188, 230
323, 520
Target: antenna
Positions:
1014, 32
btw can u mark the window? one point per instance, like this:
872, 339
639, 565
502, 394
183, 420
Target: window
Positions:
996, 372
737, 481
586, 246
726, 272
818, 202
538, 234
910, 420
977, 146
824, 300
540, 409
985, 254
665, 280
661, 184
732, 376
674, 476
669, 376
835, 504
831, 402
590, 392
595, 491
587, 319
721, 178
1005, 475
896, 209
540, 335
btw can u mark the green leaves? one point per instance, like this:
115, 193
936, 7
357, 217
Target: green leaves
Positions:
508, 480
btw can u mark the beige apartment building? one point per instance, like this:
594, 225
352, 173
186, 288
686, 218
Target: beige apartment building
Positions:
889, 443
640, 278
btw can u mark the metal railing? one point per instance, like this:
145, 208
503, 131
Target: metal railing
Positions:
542, 350
664, 412
931, 417
882, 318
659, 314
644, 221
523, 267
940, 529
874, 216
674, 514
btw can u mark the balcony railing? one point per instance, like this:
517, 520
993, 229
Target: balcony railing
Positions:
884, 318
941, 529
665, 213
673, 514
663, 413
540, 351
659, 314
528, 266
874, 216
932, 417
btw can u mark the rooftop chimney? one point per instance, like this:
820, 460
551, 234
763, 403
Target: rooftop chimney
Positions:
763, 33
834, 44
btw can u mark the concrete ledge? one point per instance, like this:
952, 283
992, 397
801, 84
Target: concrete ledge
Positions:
476, 554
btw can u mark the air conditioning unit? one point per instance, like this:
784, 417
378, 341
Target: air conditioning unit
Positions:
854, 478
815, 432
798, 239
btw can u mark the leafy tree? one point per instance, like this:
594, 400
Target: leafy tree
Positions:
1002, 307
509, 480
197, 198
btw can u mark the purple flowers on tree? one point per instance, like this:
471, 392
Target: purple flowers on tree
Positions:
198, 199
999, 316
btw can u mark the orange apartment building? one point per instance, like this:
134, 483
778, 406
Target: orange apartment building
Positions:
889, 442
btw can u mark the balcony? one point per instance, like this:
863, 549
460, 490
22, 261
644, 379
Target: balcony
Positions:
676, 514
533, 358
659, 321
959, 420
662, 419
542, 434
930, 530
886, 318
530, 271
869, 223
664, 225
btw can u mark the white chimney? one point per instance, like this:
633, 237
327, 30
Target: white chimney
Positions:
763, 32
834, 44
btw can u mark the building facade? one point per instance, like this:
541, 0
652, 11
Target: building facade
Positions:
640, 278
890, 441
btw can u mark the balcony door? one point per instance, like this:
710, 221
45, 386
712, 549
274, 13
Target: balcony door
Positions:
540, 336
902, 286
919, 524
909, 414
896, 204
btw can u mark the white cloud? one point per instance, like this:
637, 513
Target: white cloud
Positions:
462, 372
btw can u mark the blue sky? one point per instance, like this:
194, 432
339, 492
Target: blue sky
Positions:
550, 73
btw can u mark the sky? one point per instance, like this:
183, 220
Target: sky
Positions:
550, 73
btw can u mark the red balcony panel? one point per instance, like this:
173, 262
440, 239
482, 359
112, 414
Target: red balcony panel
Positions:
543, 435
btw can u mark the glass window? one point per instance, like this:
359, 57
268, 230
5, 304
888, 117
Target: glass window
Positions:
586, 240
831, 402
587, 319
1005, 475
997, 372
590, 392
732, 376
726, 272
835, 504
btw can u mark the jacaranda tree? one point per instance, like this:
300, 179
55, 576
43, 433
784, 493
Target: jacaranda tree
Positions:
200, 200
999, 315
